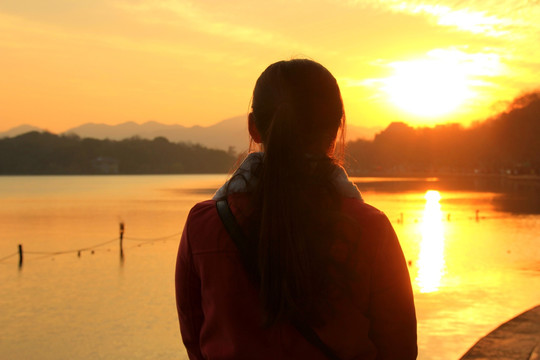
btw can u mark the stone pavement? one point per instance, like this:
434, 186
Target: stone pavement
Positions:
517, 339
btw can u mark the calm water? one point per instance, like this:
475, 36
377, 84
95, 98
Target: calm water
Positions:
468, 274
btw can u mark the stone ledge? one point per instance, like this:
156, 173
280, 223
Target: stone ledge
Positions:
516, 339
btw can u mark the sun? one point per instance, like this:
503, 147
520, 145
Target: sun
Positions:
431, 87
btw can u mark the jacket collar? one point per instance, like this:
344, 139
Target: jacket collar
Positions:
243, 179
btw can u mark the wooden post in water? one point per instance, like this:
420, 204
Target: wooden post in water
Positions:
122, 240
20, 255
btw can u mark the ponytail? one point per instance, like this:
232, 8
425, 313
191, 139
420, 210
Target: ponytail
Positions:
295, 199
283, 259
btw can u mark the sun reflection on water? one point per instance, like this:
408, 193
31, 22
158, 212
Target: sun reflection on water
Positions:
431, 265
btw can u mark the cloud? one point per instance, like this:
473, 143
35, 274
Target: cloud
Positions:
186, 14
473, 65
25, 34
495, 18
463, 19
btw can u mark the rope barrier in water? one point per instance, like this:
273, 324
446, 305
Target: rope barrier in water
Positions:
8, 256
153, 239
70, 251
88, 248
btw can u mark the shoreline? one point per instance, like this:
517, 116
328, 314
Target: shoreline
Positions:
515, 339
412, 175
426, 175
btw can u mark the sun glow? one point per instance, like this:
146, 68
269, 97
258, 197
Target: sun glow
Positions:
430, 87
431, 263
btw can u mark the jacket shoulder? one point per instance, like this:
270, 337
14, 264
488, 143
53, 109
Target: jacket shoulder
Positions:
361, 210
201, 210
205, 231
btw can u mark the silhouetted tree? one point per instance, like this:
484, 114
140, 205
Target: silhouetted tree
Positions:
507, 142
45, 153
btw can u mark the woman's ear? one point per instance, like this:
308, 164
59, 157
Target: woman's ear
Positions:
253, 132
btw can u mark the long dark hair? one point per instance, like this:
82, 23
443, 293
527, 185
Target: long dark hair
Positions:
298, 110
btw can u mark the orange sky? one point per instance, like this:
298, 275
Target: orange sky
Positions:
65, 62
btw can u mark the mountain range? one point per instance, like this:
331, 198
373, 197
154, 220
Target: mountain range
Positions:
228, 133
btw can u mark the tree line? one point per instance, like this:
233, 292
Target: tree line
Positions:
509, 142
36, 153
506, 143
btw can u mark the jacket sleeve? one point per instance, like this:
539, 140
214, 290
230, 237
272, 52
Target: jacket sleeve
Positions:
188, 297
392, 313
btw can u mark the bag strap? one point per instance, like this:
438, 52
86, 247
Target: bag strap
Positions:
233, 228
237, 235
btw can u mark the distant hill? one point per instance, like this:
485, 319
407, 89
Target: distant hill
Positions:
222, 135
18, 130
226, 133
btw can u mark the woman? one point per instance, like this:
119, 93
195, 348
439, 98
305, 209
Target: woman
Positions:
317, 257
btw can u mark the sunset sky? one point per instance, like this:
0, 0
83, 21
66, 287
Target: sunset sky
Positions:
67, 62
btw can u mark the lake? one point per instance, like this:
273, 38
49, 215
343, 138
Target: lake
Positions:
472, 244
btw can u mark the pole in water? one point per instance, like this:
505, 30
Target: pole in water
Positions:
477, 214
20, 255
121, 240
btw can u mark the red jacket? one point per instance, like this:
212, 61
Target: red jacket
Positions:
219, 308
